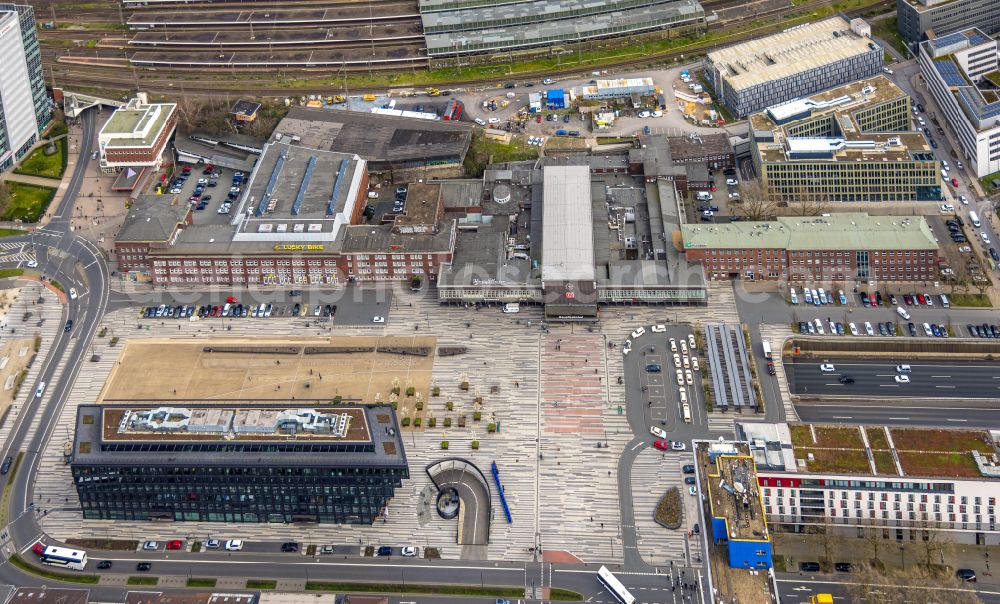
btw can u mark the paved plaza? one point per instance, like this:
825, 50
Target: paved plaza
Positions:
554, 394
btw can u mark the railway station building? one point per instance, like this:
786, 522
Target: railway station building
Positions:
246, 463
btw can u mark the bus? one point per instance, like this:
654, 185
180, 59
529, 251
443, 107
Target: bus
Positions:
61, 556
767, 350
614, 586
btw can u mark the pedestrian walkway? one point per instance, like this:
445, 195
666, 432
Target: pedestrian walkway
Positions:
45, 320
776, 336
722, 423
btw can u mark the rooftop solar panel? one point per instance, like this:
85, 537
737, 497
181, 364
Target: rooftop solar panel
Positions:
948, 40
950, 73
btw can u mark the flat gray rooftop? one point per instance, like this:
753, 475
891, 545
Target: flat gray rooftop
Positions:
379, 138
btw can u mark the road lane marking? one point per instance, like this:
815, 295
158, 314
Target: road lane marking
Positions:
843, 417
940, 376
944, 387
638, 445
957, 420
899, 418
888, 385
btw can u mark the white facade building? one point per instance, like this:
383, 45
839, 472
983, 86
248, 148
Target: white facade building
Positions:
952, 66
18, 126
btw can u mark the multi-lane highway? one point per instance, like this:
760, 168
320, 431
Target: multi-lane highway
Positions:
878, 378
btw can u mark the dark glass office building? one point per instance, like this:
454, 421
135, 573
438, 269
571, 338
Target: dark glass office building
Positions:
237, 463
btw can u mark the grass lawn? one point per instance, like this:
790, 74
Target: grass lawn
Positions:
877, 438
483, 152
801, 436
416, 588
614, 140
6, 273
884, 464
201, 582
843, 461
262, 584
46, 166
25, 202
915, 439
987, 182
12, 232
938, 464
838, 437
17, 561
143, 580
976, 300
886, 29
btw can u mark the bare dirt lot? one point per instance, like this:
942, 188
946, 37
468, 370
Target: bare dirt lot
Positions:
171, 371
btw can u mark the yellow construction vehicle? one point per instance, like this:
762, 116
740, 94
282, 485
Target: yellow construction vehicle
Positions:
433, 92
822, 599
369, 97
337, 99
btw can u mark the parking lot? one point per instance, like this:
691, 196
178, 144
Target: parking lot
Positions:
349, 306
664, 367
215, 191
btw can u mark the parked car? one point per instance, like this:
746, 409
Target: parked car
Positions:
290, 547
809, 567
384, 550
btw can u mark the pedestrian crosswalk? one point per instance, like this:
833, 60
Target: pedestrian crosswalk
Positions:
776, 335
721, 423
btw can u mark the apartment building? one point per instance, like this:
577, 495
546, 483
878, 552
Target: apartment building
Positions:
24, 105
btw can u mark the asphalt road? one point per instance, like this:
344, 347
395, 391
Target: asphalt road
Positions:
928, 379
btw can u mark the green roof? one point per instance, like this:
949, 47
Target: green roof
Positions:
836, 232
127, 120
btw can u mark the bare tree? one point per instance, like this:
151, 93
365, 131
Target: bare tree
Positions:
934, 545
755, 202
915, 585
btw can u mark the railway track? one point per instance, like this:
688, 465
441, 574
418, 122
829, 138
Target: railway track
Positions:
166, 80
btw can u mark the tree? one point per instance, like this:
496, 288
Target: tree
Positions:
915, 585
755, 202
933, 544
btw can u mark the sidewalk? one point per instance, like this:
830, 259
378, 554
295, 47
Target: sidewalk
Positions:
895, 555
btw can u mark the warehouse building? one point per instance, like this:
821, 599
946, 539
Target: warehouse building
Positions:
955, 68
136, 135
459, 29
833, 247
338, 465
803, 60
851, 143
918, 20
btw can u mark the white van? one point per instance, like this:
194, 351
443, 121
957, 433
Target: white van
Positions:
40, 390
902, 312
819, 326
793, 295
686, 411
683, 394
704, 196
974, 219
512, 308
944, 301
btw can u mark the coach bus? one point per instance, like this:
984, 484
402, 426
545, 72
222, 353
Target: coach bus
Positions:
614, 586
61, 556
